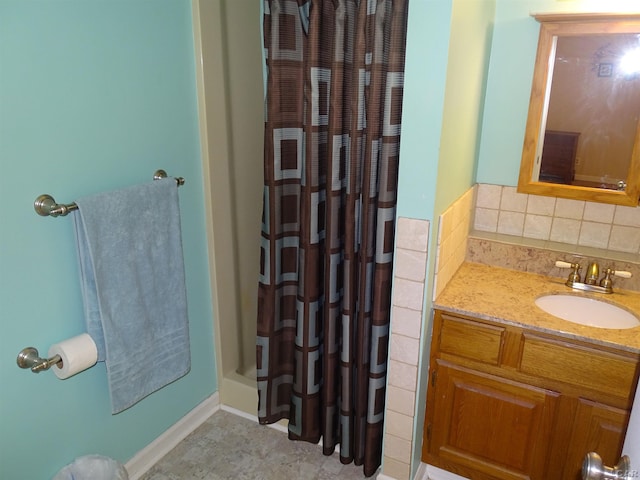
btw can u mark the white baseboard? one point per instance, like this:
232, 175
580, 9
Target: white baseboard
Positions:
148, 456
382, 476
435, 473
281, 426
422, 472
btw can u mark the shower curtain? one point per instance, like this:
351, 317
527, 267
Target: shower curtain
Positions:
332, 137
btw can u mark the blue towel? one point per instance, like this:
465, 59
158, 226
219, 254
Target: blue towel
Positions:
133, 286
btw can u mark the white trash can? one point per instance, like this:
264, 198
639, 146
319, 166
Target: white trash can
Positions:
93, 467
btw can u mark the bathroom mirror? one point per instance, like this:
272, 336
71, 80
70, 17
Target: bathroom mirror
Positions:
582, 138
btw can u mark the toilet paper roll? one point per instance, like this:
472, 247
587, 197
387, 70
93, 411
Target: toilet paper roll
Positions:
77, 354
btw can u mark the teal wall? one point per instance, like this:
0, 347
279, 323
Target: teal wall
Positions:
513, 53
447, 58
94, 95
428, 28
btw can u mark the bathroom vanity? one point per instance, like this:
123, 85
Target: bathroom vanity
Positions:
517, 393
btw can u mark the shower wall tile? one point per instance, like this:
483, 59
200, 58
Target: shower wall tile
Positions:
410, 264
403, 375
396, 469
408, 293
405, 349
406, 322
399, 425
502, 210
412, 234
398, 449
400, 400
407, 314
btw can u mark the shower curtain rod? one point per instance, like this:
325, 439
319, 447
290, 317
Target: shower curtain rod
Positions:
45, 205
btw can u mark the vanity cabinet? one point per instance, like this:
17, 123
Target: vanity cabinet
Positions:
506, 402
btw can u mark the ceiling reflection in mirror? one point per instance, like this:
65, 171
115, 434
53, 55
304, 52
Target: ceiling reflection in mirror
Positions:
592, 111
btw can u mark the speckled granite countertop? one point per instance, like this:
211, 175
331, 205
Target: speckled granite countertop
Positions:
508, 296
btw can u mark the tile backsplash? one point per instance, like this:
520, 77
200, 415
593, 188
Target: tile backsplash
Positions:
530, 232
502, 210
453, 230
496, 225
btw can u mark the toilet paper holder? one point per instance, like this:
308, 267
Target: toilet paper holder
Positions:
30, 358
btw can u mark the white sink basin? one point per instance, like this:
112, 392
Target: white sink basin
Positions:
587, 311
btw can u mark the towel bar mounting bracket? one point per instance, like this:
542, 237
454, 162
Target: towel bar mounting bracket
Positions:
46, 206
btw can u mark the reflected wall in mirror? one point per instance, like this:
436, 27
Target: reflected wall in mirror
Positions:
582, 139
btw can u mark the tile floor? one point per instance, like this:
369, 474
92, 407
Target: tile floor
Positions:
228, 446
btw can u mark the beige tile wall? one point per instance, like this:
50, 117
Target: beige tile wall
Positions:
500, 209
453, 231
412, 238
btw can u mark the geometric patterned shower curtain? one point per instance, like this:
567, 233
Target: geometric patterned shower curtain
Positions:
332, 137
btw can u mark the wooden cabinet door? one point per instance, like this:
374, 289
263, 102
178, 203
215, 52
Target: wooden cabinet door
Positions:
481, 426
597, 428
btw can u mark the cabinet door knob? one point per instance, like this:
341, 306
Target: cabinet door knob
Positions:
594, 469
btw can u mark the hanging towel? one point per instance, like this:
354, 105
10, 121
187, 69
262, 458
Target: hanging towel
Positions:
133, 285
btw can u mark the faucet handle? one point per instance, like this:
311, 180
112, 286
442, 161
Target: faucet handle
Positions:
561, 264
622, 273
618, 273
574, 276
606, 281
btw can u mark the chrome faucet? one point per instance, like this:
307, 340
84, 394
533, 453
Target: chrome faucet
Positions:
591, 283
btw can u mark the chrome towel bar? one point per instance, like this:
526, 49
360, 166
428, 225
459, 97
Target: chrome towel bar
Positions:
46, 206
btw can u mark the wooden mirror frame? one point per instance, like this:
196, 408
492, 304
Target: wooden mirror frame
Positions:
552, 25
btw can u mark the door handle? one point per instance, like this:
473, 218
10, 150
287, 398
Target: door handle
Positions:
594, 469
